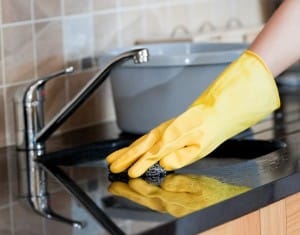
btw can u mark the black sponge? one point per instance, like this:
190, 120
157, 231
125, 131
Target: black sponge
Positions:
154, 175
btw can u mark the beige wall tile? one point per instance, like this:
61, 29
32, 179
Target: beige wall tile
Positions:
131, 2
132, 27
46, 8
221, 15
18, 53
10, 114
178, 15
55, 97
250, 12
49, 47
54, 100
77, 6
5, 222
15, 10
96, 109
78, 38
202, 13
220, 12
154, 26
152, 2
106, 32
104, 4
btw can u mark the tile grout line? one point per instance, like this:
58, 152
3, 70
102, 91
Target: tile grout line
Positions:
66, 78
9, 173
4, 82
35, 69
119, 23
99, 12
144, 18
18, 83
91, 11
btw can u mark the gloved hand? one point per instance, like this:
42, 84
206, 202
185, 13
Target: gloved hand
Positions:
178, 194
243, 94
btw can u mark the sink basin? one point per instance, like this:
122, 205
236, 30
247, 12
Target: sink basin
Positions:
236, 151
231, 151
246, 149
91, 154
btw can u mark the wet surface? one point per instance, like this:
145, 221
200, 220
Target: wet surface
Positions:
242, 175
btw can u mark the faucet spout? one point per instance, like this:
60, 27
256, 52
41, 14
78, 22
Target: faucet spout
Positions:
35, 133
41, 135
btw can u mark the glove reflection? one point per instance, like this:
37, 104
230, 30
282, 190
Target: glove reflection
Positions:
178, 194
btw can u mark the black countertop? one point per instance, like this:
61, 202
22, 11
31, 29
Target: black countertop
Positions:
257, 168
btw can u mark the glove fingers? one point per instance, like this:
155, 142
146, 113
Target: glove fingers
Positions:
142, 165
124, 190
169, 161
122, 162
136, 149
192, 151
118, 153
177, 204
180, 157
115, 155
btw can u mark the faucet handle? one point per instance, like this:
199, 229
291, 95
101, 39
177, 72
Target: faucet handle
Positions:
40, 85
42, 81
32, 97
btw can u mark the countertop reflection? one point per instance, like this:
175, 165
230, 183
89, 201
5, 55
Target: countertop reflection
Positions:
187, 201
237, 184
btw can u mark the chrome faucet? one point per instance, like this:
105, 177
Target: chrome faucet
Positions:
33, 135
35, 132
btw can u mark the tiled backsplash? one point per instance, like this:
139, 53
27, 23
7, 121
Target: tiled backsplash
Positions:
39, 37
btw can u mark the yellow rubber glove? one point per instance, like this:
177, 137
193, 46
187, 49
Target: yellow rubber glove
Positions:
243, 94
178, 194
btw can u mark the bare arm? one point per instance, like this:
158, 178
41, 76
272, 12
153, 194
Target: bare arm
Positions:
279, 41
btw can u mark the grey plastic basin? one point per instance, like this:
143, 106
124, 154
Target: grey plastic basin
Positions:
147, 94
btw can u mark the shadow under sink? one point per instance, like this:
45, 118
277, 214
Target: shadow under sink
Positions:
230, 152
